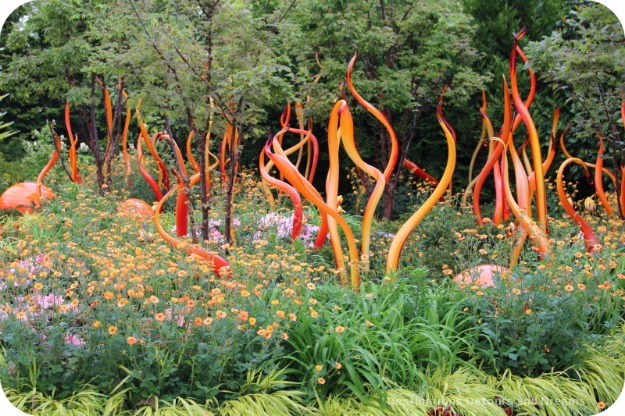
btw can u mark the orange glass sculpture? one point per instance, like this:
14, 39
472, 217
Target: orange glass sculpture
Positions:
23, 197
481, 275
136, 209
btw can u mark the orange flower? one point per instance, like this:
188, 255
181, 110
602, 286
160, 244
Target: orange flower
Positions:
198, 321
108, 295
153, 299
293, 317
220, 314
318, 367
280, 314
243, 315
208, 321
131, 340
321, 380
264, 333
340, 329
112, 329
568, 288
38, 286
160, 317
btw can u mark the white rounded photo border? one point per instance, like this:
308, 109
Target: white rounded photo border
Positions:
617, 7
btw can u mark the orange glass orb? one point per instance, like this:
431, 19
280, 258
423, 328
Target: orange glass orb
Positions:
481, 275
23, 197
136, 208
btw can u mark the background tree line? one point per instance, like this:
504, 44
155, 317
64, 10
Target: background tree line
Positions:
251, 57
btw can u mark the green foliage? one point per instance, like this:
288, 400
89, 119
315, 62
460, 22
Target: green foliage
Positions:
8, 172
266, 395
497, 21
584, 63
4, 133
558, 396
538, 319
25, 169
85, 402
392, 332
103, 318
449, 239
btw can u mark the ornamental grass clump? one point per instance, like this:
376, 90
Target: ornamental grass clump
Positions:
353, 344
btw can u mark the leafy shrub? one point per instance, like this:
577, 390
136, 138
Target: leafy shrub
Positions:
26, 168
448, 239
538, 319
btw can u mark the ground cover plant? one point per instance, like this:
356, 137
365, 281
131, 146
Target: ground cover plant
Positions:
262, 289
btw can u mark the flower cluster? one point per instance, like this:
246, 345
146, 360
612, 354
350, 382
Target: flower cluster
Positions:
282, 225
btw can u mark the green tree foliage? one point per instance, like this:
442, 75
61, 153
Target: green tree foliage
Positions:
24, 112
172, 55
496, 22
584, 62
409, 50
252, 56
158, 47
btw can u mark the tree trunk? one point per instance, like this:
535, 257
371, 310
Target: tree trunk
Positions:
94, 143
388, 201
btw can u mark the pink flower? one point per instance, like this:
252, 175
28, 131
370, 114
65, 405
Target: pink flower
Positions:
71, 339
48, 301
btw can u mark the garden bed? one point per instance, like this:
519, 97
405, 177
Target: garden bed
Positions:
100, 315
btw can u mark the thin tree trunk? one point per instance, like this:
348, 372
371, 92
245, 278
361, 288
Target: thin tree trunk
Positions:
94, 143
